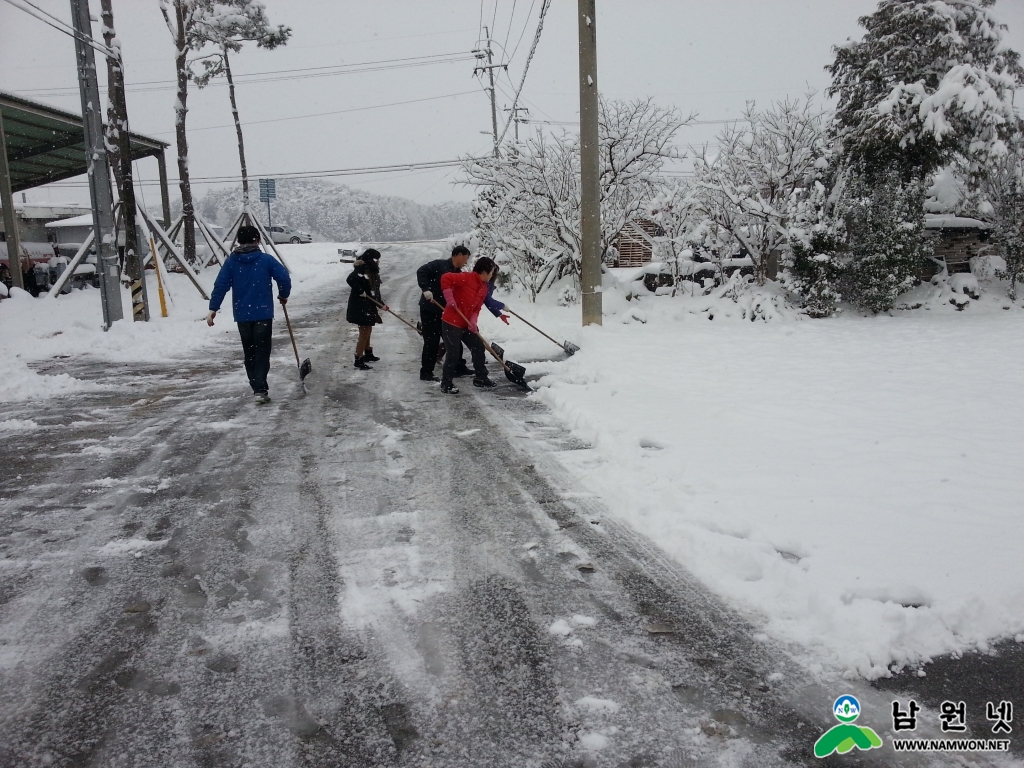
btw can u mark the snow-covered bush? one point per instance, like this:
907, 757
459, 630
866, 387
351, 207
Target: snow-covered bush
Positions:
887, 249
816, 270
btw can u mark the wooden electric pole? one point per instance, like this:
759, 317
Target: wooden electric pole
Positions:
590, 172
99, 170
490, 67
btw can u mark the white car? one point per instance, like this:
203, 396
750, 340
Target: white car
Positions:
348, 255
289, 235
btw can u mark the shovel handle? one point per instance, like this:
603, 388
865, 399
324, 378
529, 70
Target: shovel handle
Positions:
386, 309
291, 335
482, 339
538, 330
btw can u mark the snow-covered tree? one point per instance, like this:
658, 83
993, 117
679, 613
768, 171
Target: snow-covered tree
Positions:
932, 81
528, 211
180, 17
760, 178
674, 210
999, 198
226, 25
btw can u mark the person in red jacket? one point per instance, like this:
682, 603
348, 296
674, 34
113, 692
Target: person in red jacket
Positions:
464, 293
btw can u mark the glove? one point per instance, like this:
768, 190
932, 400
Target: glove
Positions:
503, 318
449, 296
387, 308
428, 295
473, 328
209, 318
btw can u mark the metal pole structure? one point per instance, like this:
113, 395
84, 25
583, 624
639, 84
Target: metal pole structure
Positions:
10, 217
590, 172
494, 108
165, 195
99, 171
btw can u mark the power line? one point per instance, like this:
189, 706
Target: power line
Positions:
322, 114
511, 19
526, 68
311, 72
59, 25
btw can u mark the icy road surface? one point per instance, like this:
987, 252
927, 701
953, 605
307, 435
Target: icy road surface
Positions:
370, 575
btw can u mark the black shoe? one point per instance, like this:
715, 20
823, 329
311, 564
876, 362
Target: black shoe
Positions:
483, 383
463, 370
361, 363
261, 398
428, 377
369, 357
449, 389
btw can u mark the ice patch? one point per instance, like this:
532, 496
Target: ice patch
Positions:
18, 425
594, 704
129, 546
560, 627
583, 621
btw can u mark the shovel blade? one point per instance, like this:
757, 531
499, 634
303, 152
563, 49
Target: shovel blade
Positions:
516, 373
498, 351
305, 369
570, 348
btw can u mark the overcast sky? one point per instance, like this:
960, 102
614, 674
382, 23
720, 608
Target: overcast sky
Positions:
704, 56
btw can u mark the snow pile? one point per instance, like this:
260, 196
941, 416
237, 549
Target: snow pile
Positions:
69, 328
852, 485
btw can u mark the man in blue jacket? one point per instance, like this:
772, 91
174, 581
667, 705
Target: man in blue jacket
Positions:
248, 272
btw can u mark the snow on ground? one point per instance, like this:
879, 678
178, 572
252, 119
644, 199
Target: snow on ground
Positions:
70, 326
853, 485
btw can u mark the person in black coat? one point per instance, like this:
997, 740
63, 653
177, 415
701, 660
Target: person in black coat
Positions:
429, 279
365, 283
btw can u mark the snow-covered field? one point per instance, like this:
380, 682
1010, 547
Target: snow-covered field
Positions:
41, 329
853, 485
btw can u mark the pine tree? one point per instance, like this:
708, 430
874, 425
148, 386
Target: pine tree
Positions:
930, 83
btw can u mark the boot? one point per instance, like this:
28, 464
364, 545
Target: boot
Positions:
369, 357
361, 363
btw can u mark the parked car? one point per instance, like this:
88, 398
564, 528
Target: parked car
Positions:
348, 255
289, 235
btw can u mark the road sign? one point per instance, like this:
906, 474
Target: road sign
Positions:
268, 190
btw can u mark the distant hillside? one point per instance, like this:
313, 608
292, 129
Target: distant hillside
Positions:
338, 213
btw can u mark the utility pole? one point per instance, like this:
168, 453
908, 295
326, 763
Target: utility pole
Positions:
590, 171
99, 171
490, 67
516, 119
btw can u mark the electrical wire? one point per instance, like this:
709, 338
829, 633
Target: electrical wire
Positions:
322, 114
60, 26
258, 77
511, 20
526, 68
526, 24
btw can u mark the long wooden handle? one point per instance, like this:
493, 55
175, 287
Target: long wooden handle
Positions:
477, 334
388, 310
538, 330
295, 349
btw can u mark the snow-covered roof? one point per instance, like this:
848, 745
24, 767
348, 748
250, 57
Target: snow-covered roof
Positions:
84, 220
945, 221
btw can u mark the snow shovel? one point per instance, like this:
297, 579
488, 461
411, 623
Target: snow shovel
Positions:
305, 367
513, 371
388, 310
570, 348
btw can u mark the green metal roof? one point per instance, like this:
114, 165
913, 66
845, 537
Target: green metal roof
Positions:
46, 144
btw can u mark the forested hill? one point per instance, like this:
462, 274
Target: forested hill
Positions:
339, 213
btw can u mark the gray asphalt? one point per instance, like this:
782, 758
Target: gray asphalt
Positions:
365, 575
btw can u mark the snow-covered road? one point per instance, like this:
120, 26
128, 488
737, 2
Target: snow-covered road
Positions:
370, 575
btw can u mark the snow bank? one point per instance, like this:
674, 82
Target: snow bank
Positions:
852, 485
69, 328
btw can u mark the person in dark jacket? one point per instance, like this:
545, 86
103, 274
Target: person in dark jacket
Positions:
247, 274
365, 283
494, 306
464, 294
429, 279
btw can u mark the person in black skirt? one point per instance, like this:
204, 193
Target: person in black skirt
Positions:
365, 283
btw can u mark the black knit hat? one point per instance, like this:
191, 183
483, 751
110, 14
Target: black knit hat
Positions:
248, 235
371, 253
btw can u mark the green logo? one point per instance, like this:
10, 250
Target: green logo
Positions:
844, 737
